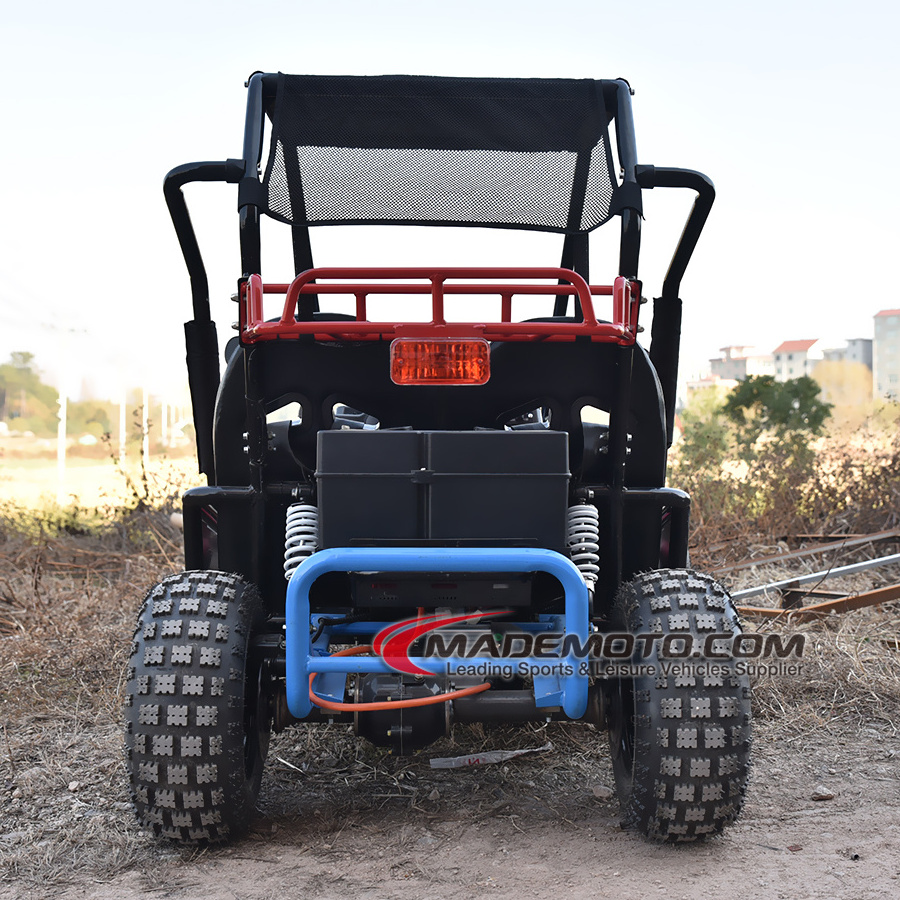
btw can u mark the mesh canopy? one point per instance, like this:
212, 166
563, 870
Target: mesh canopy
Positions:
526, 153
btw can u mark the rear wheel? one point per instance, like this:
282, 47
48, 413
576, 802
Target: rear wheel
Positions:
197, 715
679, 729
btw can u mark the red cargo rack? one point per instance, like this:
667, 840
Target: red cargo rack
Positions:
440, 282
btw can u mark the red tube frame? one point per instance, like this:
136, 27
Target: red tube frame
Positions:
621, 330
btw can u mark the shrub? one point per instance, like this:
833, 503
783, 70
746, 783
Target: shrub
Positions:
759, 466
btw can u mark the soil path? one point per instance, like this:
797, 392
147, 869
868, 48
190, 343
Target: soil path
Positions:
537, 827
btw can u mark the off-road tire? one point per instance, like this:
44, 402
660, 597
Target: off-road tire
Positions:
680, 740
196, 721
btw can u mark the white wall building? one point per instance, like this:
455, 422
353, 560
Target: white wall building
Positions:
794, 359
739, 363
886, 355
856, 350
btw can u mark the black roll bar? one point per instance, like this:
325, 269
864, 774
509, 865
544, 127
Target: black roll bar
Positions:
201, 342
229, 171
666, 331
630, 236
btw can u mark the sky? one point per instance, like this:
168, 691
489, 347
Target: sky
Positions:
791, 109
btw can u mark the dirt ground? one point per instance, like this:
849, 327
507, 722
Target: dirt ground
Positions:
532, 828
340, 819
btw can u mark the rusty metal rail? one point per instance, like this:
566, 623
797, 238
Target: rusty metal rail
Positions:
839, 605
817, 577
836, 544
790, 587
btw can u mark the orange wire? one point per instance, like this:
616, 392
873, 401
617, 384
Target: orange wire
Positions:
387, 704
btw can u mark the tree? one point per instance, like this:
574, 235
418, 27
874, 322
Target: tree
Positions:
749, 463
22, 360
777, 418
24, 396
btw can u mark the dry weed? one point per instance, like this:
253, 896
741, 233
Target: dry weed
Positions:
67, 606
850, 487
66, 614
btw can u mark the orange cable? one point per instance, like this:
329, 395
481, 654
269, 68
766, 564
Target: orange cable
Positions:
387, 704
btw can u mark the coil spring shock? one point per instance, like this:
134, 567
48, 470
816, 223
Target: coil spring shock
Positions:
301, 535
583, 541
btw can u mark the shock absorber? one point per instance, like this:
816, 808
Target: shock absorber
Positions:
583, 540
301, 535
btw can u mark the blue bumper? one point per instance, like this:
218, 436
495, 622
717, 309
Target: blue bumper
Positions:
567, 691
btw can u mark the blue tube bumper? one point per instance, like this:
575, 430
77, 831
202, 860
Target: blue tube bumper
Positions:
568, 691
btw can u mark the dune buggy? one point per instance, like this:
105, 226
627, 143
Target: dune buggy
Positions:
473, 508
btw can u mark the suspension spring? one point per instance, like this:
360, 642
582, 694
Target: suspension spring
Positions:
301, 535
583, 541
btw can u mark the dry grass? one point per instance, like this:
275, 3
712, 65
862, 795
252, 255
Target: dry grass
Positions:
67, 605
851, 663
850, 675
66, 610
851, 486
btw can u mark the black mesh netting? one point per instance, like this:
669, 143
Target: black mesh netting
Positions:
531, 153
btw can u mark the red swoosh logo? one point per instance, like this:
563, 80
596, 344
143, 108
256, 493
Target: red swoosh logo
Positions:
392, 643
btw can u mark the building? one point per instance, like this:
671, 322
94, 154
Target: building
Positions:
886, 355
857, 350
739, 363
793, 359
722, 385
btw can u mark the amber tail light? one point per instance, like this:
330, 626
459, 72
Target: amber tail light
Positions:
444, 361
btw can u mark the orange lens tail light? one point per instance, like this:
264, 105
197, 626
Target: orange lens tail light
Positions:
444, 361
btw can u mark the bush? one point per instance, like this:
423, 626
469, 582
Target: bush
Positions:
759, 467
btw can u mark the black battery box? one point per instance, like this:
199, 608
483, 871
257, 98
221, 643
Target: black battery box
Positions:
444, 488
